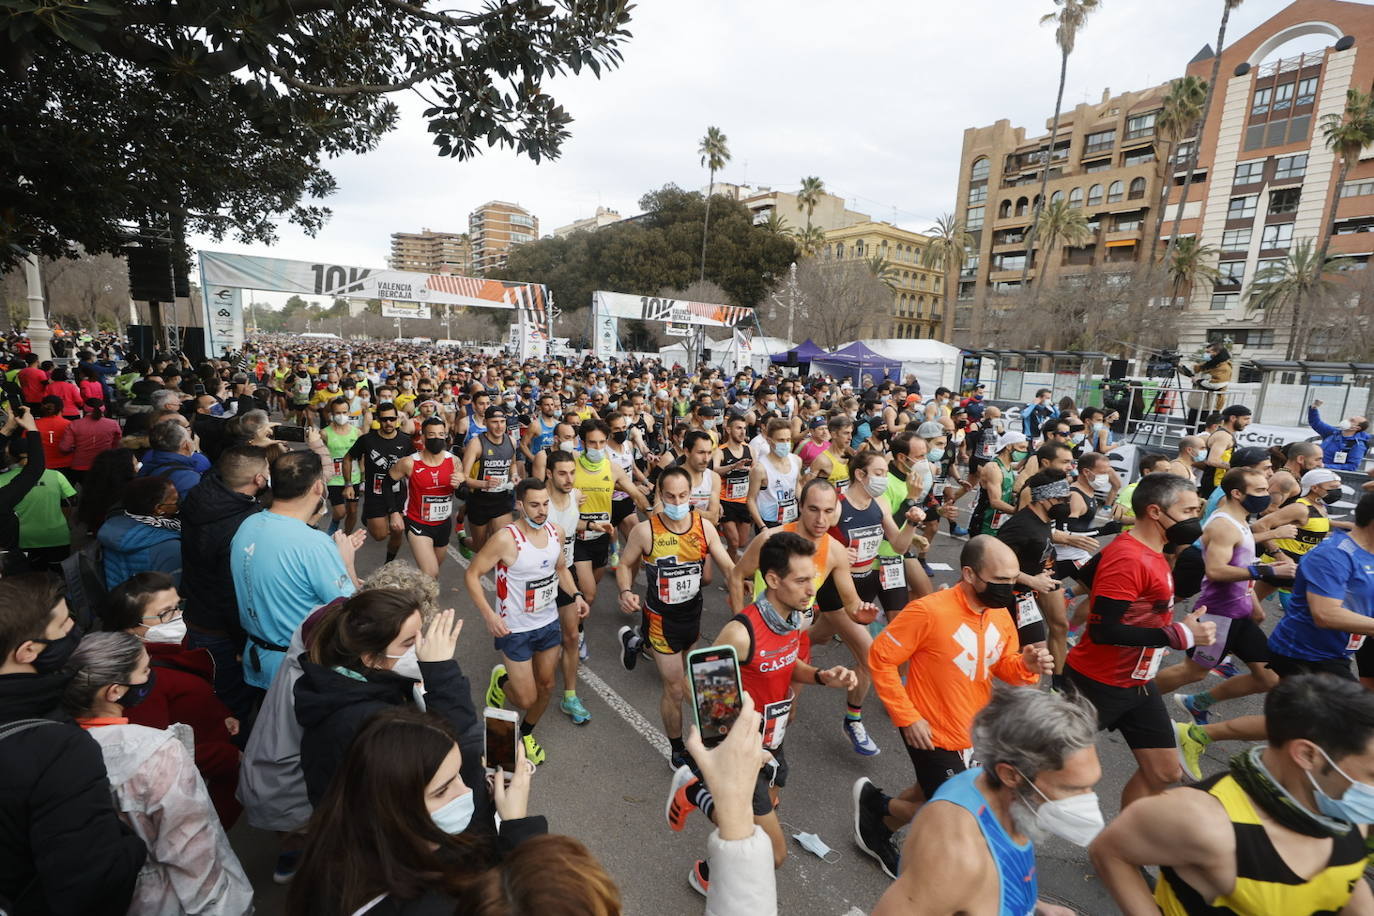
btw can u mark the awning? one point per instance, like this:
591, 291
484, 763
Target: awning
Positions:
1121, 243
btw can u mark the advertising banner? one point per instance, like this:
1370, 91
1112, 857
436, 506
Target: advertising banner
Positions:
656, 308
1269, 436
605, 327
393, 309
224, 318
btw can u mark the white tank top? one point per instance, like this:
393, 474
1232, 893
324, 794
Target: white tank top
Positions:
702, 492
566, 519
624, 460
527, 589
778, 496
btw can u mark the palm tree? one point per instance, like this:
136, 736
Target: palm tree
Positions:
714, 155
1347, 134
1059, 223
1178, 119
948, 251
810, 195
1068, 19
1296, 284
777, 225
1226, 7
1192, 265
883, 270
810, 240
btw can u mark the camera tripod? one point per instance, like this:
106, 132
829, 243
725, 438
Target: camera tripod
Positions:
1167, 419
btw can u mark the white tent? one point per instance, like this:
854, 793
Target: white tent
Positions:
933, 362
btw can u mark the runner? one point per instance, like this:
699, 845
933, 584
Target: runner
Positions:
384, 499
672, 545
696, 458
768, 639
1219, 445
1291, 462
431, 476
339, 437
995, 479
833, 463
910, 482
489, 458
772, 497
623, 454
1306, 513
539, 436
530, 566
732, 463
1029, 533
959, 638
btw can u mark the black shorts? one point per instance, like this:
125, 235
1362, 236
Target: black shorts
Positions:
379, 505
828, 596
1238, 636
1364, 658
735, 512
935, 767
439, 533
1284, 666
596, 551
893, 599
483, 507
1068, 569
673, 632
1138, 713
621, 509
336, 494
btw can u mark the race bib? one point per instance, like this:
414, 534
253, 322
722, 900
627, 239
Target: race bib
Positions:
891, 573
679, 584
497, 481
700, 502
593, 518
1147, 665
1027, 611
842, 486
540, 593
436, 508
377, 485
568, 551
737, 489
338, 467
866, 542
1354, 642
787, 509
775, 716
997, 519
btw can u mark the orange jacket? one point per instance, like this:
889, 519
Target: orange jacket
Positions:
954, 651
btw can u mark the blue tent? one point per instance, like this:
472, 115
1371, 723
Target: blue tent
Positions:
855, 361
804, 352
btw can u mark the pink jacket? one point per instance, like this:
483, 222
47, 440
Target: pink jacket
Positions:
88, 437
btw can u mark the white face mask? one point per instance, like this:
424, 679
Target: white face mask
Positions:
1077, 818
1101, 484
172, 632
406, 664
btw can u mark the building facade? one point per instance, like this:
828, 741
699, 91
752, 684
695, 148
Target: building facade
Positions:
495, 228
431, 252
830, 211
1104, 161
917, 309
604, 216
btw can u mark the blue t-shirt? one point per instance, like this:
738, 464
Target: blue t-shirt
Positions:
283, 569
1336, 568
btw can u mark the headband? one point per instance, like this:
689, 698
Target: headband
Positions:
1058, 489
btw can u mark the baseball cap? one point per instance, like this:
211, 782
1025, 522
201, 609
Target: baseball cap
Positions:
930, 430
1318, 476
1249, 456
706, 410
1008, 438
493, 411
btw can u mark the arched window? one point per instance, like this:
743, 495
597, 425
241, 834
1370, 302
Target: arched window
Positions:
1137, 188
1076, 197
859, 248
1114, 192
981, 169
839, 251
1095, 195
1056, 197
1004, 210
1021, 206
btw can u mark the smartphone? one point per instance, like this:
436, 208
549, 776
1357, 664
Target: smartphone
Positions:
717, 697
503, 731
284, 433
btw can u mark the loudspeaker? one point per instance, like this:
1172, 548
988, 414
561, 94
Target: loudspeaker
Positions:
141, 341
193, 344
1116, 368
706, 354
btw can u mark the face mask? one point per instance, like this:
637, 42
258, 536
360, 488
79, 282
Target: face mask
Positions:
677, 512
596, 455
1059, 512
1201, 455
172, 632
995, 594
1255, 504
137, 693
333, 386
708, 424
876, 486
1077, 818
1332, 497
58, 651
936, 454
216, 410
1184, 532
1355, 806
815, 844
1077, 438
771, 405
1019, 456
744, 403
620, 437
1102, 484
782, 449
454, 817
340, 419
568, 445
435, 444
406, 664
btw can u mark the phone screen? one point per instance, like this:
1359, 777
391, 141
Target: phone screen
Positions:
284, 433
716, 693
501, 738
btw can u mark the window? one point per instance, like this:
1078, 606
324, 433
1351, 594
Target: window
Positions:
518, 219
1307, 91
1095, 195
1097, 165
1267, 270
1076, 198
1357, 188
981, 169
1140, 126
1283, 97
1242, 207
1139, 156
977, 194
1261, 103
1284, 200
1245, 337
1235, 239
973, 218
1103, 139
1137, 189
1114, 192
1290, 167
1279, 235
1277, 133
1232, 273
1249, 173
1223, 301
1003, 211
1127, 222
1008, 261
859, 245
1022, 205
1181, 153
1056, 197
965, 292
521, 237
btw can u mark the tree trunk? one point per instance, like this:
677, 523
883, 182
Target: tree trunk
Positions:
706, 225
1045, 175
1295, 330
1162, 209
951, 296
1202, 127
1329, 227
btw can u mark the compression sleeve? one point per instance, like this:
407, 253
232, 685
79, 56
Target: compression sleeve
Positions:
1105, 628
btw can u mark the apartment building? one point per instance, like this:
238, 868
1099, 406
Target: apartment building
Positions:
604, 216
495, 228
1104, 161
917, 309
431, 252
829, 213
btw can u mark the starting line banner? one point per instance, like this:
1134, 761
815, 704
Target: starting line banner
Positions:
608, 308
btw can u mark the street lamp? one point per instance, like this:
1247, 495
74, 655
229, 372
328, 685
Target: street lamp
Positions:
795, 306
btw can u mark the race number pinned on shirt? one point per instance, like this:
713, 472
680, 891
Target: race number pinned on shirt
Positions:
775, 716
376, 484
593, 518
1027, 610
787, 508
540, 593
1353, 644
436, 508
338, 467
738, 489
866, 541
678, 584
891, 573
1148, 664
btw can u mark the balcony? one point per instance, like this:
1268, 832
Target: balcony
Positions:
1125, 234
1005, 274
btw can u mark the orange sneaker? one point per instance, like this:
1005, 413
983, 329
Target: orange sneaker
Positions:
679, 804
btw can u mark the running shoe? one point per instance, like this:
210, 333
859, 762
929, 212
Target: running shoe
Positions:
699, 877
287, 862
679, 805
582, 652
1200, 716
496, 697
1189, 750
629, 647
960, 531
464, 548
858, 736
1228, 667
870, 833
533, 752
574, 708
678, 759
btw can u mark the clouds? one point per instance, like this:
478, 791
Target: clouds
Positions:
871, 95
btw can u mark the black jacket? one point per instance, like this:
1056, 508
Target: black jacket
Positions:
63, 849
210, 517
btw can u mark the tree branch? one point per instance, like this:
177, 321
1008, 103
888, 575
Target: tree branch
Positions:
362, 89
465, 22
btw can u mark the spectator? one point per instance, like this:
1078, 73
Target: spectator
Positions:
33, 382
87, 437
1344, 446
103, 487
408, 819
207, 422
65, 390
145, 535
92, 388
190, 867
283, 569
63, 849
147, 606
52, 426
44, 535
558, 875
172, 454
12, 493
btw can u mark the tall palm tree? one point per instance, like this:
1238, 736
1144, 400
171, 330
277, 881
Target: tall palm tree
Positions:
1178, 119
1295, 284
714, 154
1191, 266
778, 225
1059, 222
947, 252
1068, 19
1347, 134
1226, 7
810, 195
883, 270
810, 240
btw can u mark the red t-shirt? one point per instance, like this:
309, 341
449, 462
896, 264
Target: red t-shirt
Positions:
50, 429
32, 383
1132, 572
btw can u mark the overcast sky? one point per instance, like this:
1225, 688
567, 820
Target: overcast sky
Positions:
873, 96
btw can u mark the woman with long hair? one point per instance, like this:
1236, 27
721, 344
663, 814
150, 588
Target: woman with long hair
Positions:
406, 823
103, 486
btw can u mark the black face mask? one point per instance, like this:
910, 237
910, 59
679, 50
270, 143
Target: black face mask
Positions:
58, 651
620, 437
1183, 532
1332, 497
995, 594
1256, 504
1059, 512
137, 693
435, 445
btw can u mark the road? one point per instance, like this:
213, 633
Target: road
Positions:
605, 782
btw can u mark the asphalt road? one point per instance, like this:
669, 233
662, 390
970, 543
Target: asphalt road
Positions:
606, 782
